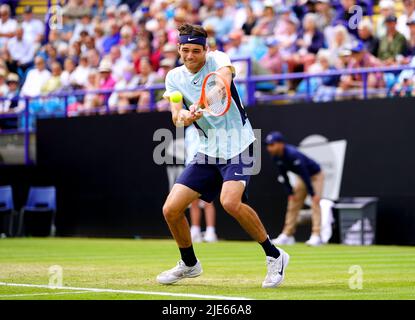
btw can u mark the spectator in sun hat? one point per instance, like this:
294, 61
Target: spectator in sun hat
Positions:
12, 104
106, 80
12, 94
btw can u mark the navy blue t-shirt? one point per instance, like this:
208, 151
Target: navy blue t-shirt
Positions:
296, 162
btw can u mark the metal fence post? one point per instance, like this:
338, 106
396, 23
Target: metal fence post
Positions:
308, 88
250, 84
364, 76
27, 132
152, 99
65, 102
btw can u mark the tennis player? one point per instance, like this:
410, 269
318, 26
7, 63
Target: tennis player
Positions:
218, 168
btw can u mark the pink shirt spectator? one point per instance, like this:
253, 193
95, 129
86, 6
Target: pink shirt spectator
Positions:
108, 83
272, 62
368, 61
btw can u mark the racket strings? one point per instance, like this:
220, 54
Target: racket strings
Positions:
216, 95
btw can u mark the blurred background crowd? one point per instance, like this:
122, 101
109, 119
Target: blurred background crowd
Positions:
125, 44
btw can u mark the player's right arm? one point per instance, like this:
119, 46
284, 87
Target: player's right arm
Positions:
180, 116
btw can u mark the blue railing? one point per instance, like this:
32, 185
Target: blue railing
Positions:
250, 83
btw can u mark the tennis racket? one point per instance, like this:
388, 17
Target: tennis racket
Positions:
215, 98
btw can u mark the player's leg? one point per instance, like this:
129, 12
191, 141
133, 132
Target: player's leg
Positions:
197, 180
277, 259
173, 210
176, 203
195, 218
231, 200
210, 216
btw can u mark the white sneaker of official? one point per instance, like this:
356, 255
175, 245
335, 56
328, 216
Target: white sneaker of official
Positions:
210, 237
276, 270
196, 234
314, 241
179, 272
283, 239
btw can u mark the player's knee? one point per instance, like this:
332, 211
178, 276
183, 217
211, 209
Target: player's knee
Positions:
231, 206
170, 213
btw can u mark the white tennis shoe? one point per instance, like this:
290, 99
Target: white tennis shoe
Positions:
314, 241
179, 272
276, 270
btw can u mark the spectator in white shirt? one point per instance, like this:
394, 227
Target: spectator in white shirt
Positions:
67, 74
93, 58
21, 50
120, 101
3, 86
408, 15
36, 78
7, 25
33, 28
118, 62
127, 44
80, 75
83, 25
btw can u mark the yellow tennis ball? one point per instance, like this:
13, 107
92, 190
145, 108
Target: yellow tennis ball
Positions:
176, 96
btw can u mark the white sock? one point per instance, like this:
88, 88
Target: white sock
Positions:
195, 229
210, 230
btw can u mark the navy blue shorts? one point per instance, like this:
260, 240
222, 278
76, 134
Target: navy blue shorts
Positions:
206, 175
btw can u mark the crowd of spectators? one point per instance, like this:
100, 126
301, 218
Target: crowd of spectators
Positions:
124, 44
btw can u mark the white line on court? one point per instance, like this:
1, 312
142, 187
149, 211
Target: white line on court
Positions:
155, 293
40, 294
